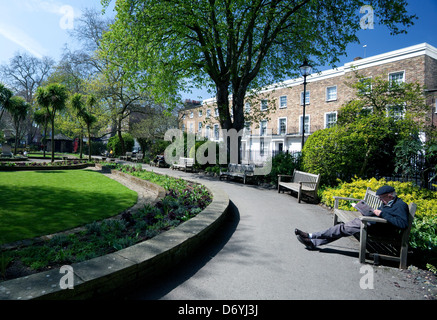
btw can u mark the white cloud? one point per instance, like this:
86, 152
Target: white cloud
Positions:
22, 39
43, 5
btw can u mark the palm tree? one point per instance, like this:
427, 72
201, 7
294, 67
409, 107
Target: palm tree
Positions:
18, 108
53, 98
41, 118
5, 96
85, 115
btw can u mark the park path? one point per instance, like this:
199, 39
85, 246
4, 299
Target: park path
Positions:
256, 256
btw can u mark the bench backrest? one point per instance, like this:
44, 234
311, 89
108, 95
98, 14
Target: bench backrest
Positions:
241, 168
300, 176
128, 154
186, 161
372, 199
406, 234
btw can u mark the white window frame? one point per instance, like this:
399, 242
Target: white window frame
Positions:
308, 124
247, 130
199, 128
216, 112
326, 118
200, 113
282, 102
208, 113
279, 126
262, 129
191, 114
247, 107
327, 93
397, 115
370, 85
396, 73
264, 105
307, 97
216, 132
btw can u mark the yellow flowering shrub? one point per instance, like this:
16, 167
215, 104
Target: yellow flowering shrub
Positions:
426, 200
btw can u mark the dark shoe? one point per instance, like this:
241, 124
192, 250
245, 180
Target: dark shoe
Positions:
307, 242
301, 233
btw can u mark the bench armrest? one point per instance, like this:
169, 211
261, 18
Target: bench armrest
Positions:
280, 176
372, 219
337, 199
346, 198
307, 182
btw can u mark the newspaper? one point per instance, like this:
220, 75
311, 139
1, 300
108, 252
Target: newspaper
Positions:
364, 208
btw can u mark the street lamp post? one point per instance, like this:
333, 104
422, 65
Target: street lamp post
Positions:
305, 70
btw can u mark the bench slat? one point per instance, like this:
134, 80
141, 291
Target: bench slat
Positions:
301, 182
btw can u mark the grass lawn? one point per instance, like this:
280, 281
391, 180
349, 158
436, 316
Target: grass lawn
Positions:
36, 203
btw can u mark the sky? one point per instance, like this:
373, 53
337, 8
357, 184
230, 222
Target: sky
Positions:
41, 28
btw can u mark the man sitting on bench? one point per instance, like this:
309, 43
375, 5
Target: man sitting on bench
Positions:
394, 210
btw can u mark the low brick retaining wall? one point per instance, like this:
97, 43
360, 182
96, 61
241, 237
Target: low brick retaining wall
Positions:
105, 276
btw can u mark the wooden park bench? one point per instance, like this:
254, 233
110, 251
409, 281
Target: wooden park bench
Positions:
303, 183
238, 170
138, 157
184, 163
127, 157
378, 246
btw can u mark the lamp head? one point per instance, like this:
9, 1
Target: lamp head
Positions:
305, 69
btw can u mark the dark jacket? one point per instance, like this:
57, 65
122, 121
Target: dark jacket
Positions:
397, 213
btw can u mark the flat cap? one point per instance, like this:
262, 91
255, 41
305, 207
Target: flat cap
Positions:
384, 190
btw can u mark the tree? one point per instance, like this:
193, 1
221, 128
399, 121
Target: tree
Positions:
18, 108
53, 98
41, 118
5, 96
235, 46
85, 115
25, 73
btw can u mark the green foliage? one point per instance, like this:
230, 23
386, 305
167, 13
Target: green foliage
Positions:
368, 129
114, 144
52, 98
406, 150
283, 163
334, 153
236, 46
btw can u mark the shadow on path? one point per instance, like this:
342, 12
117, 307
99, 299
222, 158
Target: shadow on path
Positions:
186, 269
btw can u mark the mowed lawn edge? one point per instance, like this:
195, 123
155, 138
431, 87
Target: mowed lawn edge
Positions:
37, 203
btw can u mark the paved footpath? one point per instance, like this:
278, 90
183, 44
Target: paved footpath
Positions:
256, 256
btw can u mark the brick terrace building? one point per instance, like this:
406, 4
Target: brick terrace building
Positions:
326, 93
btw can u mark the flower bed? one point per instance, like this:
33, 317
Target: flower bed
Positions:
59, 165
183, 200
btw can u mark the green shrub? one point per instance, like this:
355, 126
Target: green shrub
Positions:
114, 144
283, 163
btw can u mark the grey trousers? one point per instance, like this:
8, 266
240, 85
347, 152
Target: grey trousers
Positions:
336, 232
